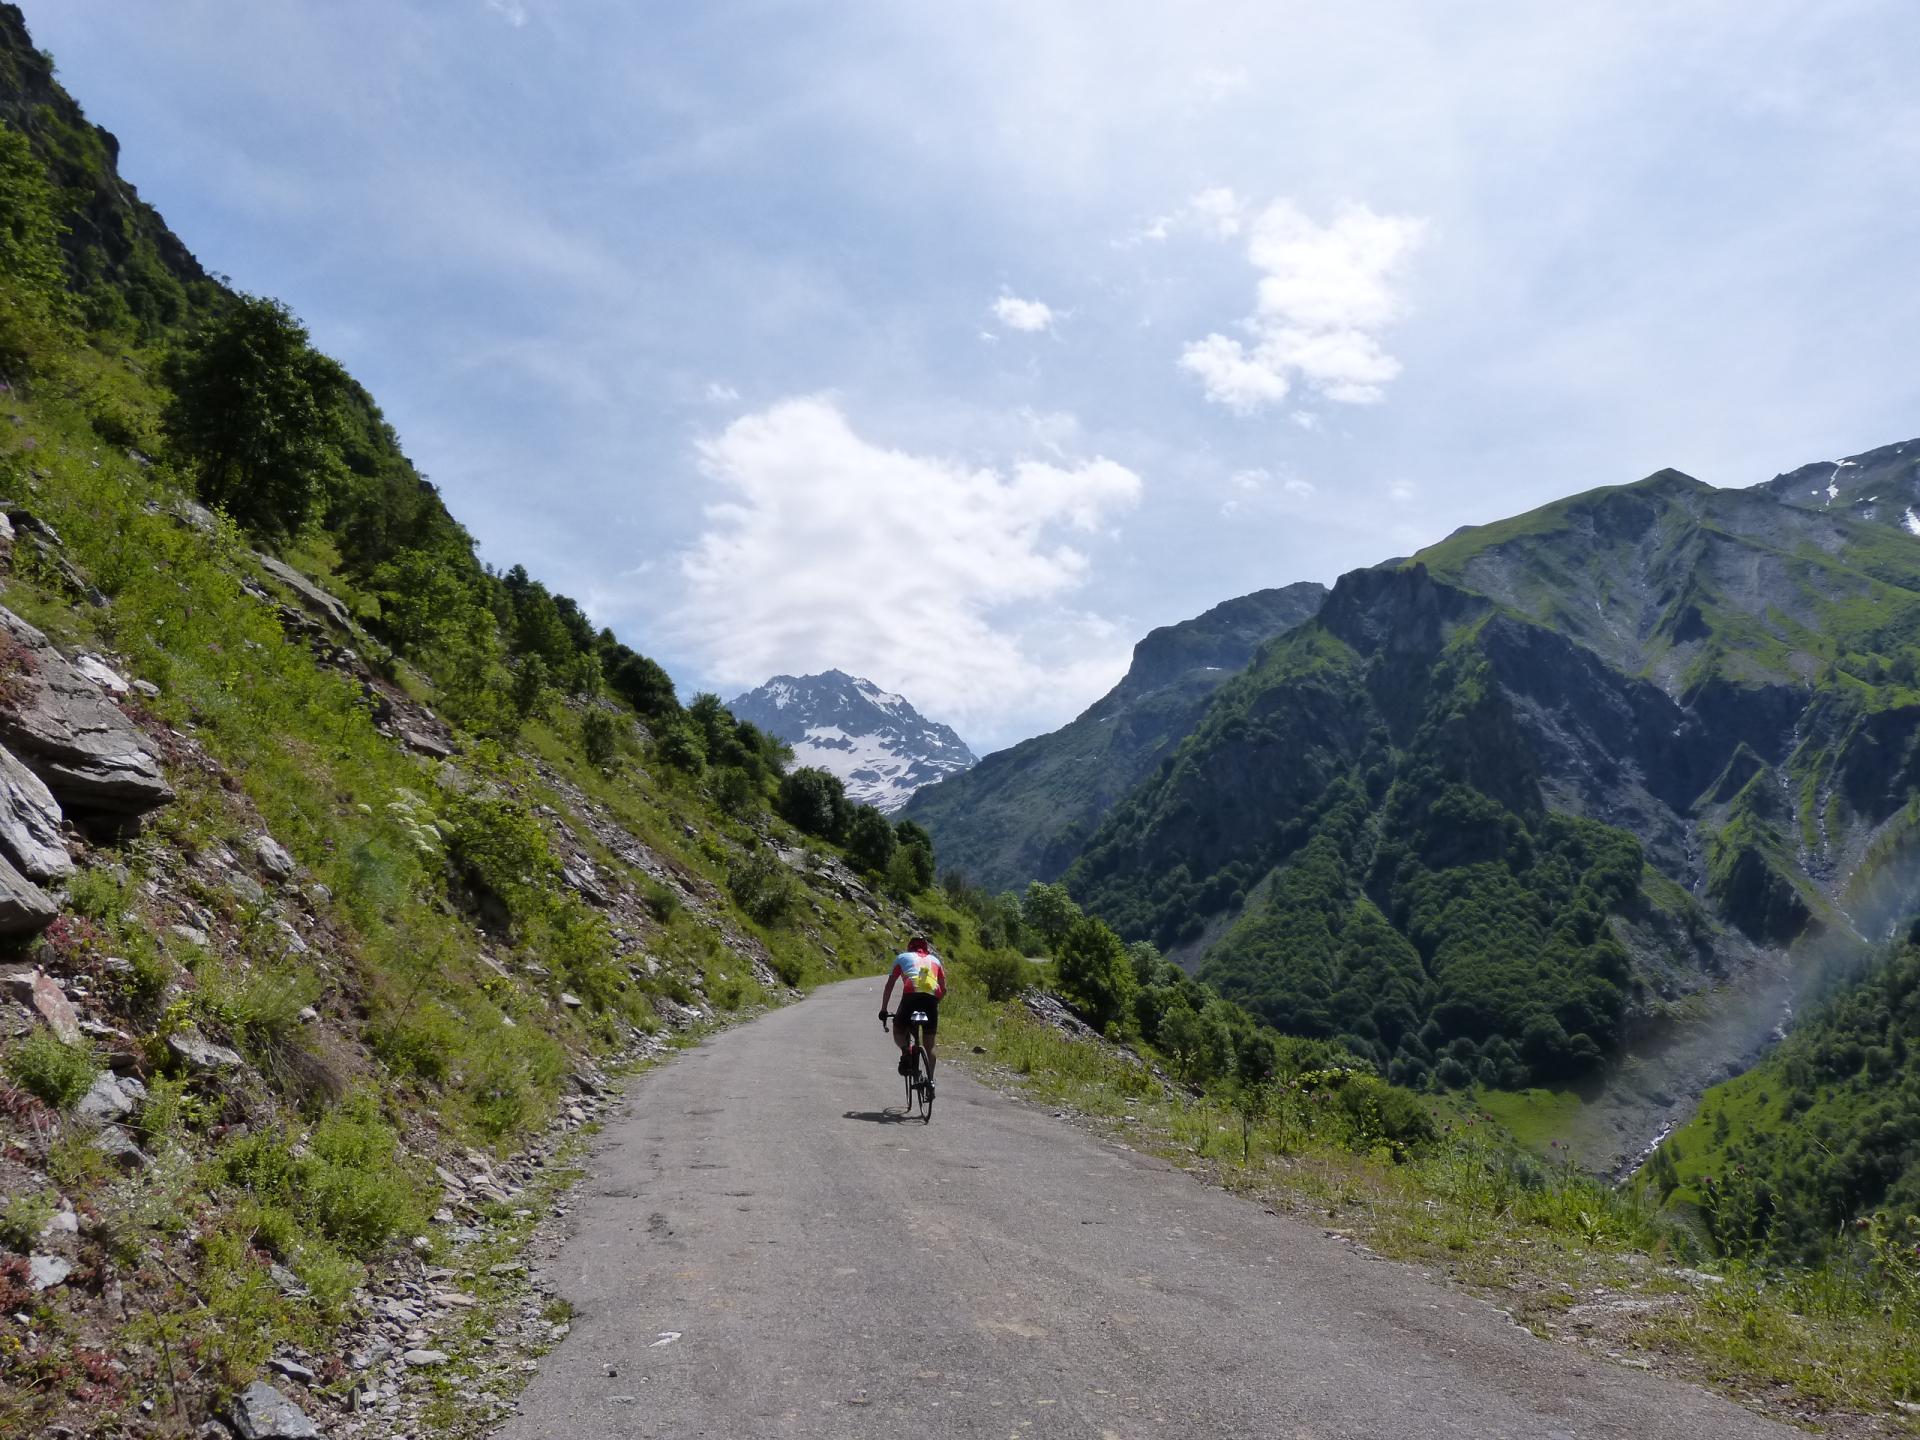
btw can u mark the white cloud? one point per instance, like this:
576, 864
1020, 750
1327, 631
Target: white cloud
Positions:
512, 11
721, 394
1305, 419
1294, 485
1325, 293
927, 575
1401, 491
1241, 381
1249, 479
1027, 316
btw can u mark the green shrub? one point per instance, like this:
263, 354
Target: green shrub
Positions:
98, 894
348, 1185
600, 738
56, 1072
22, 1219
762, 887
1003, 973
661, 900
416, 1042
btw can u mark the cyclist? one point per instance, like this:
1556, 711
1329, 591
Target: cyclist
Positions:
923, 980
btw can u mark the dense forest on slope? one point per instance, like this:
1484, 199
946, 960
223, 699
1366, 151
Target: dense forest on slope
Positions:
1024, 813
1823, 1133
1497, 805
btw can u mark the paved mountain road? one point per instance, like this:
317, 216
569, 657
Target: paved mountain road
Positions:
760, 1251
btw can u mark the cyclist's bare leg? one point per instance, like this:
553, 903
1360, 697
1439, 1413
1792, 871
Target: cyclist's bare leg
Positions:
926, 1047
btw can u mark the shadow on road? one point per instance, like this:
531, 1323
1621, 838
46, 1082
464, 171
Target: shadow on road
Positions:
878, 1117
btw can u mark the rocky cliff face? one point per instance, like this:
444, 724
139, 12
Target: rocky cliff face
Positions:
879, 745
1024, 813
1877, 486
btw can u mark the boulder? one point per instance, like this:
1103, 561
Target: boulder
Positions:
197, 1052
273, 857
111, 1098
116, 1145
261, 1412
24, 906
69, 732
46, 1271
30, 822
101, 673
424, 741
288, 1368
51, 1002
311, 595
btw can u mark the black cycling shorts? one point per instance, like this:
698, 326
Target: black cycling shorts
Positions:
908, 1004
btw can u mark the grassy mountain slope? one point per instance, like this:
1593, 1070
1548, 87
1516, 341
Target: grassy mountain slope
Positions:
1529, 800
1024, 813
436, 849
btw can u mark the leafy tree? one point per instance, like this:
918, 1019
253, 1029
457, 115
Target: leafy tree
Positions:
34, 305
253, 412
1094, 971
870, 843
913, 857
599, 737
530, 688
638, 681
1049, 912
736, 794
677, 743
814, 801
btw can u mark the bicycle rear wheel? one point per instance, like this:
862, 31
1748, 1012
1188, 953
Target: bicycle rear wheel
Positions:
926, 1102
913, 1078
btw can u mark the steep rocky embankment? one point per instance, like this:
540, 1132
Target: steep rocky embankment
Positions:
338, 872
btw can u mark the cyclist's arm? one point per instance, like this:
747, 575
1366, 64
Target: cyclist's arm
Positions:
940, 976
887, 994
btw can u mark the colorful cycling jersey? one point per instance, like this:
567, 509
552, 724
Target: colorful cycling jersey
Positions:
921, 974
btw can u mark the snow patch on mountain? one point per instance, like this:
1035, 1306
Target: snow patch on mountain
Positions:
879, 745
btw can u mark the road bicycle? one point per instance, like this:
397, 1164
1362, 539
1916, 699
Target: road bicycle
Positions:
919, 1085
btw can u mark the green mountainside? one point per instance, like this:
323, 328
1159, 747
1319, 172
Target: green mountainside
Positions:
1550, 794
1823, 1133
337, 870
1024, 813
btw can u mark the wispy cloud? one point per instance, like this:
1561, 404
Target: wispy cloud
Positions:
512, 11
1027, 316
1325, 294
1216, 211
824, 549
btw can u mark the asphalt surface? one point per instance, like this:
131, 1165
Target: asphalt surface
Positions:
762, 1249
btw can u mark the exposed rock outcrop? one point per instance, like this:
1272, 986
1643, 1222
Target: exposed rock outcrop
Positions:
63, 726
30, 823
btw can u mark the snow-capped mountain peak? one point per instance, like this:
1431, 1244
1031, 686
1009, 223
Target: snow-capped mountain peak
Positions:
877, 743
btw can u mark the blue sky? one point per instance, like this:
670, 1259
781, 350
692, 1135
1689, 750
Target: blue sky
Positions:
959, 345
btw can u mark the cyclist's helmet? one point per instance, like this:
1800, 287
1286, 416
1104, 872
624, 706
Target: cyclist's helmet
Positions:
918, 944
